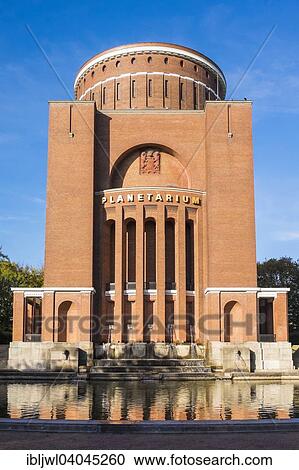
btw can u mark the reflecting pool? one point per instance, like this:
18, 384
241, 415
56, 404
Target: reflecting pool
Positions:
150, 400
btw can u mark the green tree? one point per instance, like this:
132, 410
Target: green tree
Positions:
13, 275
282, 272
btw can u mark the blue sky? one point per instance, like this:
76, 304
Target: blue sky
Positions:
230, 32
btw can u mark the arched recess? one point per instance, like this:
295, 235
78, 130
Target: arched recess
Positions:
169, 170
63, 312
232, 322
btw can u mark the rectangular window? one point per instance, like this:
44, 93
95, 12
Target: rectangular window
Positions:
133, 88
104, 96
181, 91
150, 88
166, 89
195, 96
118, 91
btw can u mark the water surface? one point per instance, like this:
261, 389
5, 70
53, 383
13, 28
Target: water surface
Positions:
173, 400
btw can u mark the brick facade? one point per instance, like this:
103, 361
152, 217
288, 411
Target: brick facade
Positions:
150, 230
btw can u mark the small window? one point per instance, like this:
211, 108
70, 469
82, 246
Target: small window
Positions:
182, 63
166, 89
117, 64
195, 68
149, 59
104, 96
92, 74
104, 68
207, 74
118, 91
133, 60
133, 88
150, 87
92, 97
166, 60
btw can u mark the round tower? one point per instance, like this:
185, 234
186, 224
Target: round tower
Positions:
150, 75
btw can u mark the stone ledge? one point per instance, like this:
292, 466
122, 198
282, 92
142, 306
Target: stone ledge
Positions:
150, 427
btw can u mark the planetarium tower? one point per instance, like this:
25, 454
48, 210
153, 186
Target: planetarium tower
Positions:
150, 231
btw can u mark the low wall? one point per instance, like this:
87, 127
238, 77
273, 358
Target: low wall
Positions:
49, 356
250, 356
149, 351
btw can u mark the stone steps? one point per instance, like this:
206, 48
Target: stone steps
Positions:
178, 375
148, 362
149, 369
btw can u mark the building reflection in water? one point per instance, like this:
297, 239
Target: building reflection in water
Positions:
150, 400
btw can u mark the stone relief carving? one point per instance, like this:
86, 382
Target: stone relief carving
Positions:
150, 162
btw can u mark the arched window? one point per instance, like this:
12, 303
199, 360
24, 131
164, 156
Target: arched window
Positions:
130, 252
190, 255
150, 254
170, 254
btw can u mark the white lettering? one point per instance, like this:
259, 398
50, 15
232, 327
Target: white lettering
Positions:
150, 197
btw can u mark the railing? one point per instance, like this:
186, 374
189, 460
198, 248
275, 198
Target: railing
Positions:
33, 338
110, 286
190, 285
130, 286
170, 285
267, 338
150, 285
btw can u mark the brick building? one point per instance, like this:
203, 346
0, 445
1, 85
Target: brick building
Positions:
150, 229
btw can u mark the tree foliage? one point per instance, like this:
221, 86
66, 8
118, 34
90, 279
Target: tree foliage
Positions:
13, 275
282, 272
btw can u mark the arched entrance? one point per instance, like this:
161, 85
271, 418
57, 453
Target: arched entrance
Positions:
63, 311
232, 316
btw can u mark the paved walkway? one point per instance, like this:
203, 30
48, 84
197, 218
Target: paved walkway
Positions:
55, 440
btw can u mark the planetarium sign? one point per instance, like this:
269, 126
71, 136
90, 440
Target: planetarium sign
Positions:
150, 197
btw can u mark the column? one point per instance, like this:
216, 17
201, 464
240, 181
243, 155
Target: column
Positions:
85, 332
48, 326
198, 281
119, 275
139, 303
18, 316
180, 275
158, 333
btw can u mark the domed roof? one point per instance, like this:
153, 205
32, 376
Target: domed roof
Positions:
151, 47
